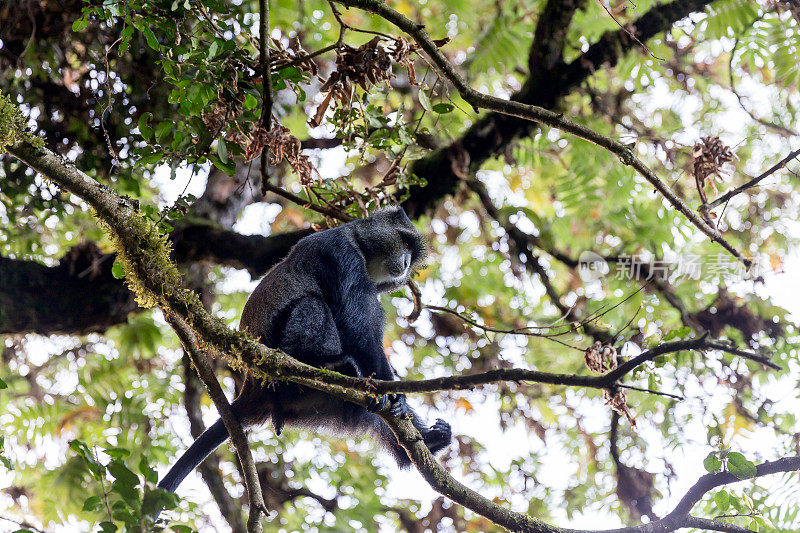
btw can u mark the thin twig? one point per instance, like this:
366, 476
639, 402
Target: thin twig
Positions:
308, 57
627, 31
266, 81
650, 391
777, 127
328, 212
416, 296
767, 173
524, 331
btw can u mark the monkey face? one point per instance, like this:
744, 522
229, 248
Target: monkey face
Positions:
391, 246
392, 270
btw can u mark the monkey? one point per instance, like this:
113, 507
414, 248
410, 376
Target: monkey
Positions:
320, 305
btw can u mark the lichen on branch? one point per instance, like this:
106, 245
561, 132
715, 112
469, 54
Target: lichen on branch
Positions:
13, 126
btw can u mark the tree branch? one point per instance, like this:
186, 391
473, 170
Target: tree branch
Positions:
157, 282
711, 481
209, 469
535, 113
237, 435
35, 298
713, 525
604, 381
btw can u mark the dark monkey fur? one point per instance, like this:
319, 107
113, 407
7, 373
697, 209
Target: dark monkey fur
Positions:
320, 305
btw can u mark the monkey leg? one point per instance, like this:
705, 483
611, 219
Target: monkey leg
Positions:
435, 437
384, 435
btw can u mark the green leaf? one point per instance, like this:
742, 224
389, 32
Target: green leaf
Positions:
250, 101
764, 521
151, 159
144, 126
222, 150
228, 167
157, 499
150, 37
117, 453
723, 500
107, 527
80, 24
443, 108
162, 130
212, 50
424, 101
3, 384
92, 503
712, 463
677, 333
739, 466
125, 41
88, 457
738, 505
147, 471
293, 74
122, 473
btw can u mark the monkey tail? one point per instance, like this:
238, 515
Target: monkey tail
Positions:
206, 443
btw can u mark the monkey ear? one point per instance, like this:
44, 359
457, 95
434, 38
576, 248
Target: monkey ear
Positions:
400, 214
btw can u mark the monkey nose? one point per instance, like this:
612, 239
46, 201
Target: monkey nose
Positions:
406, 261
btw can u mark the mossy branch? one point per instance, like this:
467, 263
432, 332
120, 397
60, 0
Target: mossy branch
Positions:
156, 281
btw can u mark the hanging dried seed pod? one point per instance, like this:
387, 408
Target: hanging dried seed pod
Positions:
709, 155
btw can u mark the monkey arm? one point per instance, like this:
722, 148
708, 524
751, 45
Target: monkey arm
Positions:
310, 335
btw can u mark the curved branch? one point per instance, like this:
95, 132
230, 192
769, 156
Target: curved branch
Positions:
492, 133
753, 182
712, 481
535, 113
149, 269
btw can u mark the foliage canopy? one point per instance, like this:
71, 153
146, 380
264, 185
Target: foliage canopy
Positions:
163, 103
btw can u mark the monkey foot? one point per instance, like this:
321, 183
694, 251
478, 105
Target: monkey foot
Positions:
399, 406
438, 435
378, 404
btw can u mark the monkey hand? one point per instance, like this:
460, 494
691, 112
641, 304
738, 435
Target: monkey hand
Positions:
394, 403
